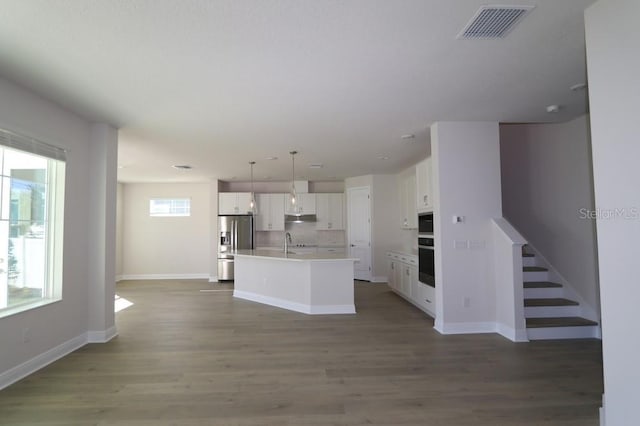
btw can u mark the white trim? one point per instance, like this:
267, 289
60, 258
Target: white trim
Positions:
602, 412
511, 333
293, 306
379, 279
42, 360
213, 278
468, 327
102, 336
165, 277
119, 278
569, 332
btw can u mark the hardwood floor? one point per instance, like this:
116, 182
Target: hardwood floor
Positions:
186, 357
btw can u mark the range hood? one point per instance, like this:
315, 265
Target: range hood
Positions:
299, 218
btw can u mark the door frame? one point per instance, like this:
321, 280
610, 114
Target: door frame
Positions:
368, 274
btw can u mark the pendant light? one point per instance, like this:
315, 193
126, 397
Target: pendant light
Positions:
292, 194
252, 203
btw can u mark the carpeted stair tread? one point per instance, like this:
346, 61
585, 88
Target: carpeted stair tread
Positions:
541, 284
559, 322
556, 301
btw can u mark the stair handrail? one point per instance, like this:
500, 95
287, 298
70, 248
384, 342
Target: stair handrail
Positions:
508, 278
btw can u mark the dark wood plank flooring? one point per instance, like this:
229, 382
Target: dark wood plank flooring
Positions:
186, 357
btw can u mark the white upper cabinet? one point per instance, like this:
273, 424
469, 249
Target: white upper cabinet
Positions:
234, 203
329, 212
408, 210
270, 212
305, 204
424, 186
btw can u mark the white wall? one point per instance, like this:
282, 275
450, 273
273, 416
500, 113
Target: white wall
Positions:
171, 247
466, 172
613, 65
55, 329
547, 185
119, 230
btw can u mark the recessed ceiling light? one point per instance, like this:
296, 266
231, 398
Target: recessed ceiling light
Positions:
271, 158
579, 86
552, 109
316, 165
383, 157
408, 136
182, 166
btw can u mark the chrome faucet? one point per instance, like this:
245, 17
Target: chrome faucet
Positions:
287, 241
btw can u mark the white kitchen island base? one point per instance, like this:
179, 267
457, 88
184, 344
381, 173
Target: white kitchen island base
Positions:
311, 284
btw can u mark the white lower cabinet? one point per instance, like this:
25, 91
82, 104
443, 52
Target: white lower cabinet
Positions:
403, 279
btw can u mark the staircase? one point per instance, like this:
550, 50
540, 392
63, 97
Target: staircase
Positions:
548, 314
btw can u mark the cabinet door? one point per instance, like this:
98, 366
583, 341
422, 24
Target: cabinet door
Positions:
409, 212
308, 203
227, 203
424, 198
405, 280
263, 215
323, 211
276, 220
329, 212
391, 274
244, 202
336, 211
412, 211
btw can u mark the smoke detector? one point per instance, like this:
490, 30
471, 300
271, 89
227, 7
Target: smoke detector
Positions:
492, 22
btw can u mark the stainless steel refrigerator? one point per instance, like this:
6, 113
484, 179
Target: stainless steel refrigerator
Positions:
235, 233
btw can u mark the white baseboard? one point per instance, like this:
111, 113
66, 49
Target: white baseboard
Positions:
465, 327
119, 278
213, 278
296, 307
165, 277
39, 361
379, 279
511, 333
102, 336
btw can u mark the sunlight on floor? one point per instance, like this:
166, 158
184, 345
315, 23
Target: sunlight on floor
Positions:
121, 303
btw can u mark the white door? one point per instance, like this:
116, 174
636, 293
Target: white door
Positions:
359, 224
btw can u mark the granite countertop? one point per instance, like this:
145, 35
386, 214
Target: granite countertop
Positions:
292, 255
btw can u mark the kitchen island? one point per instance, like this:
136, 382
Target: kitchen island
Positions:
317, 283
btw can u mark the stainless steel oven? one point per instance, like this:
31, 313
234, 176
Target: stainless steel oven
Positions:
425, 223
426, 264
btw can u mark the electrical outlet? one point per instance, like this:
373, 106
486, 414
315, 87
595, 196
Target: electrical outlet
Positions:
467, 302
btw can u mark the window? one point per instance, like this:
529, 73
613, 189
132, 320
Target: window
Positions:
170, 207
31, 221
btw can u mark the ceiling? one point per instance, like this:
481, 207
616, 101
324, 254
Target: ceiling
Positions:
218, 83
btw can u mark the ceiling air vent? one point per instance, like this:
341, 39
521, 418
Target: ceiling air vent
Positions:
492, 22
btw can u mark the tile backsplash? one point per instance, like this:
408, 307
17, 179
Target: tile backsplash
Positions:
301, 233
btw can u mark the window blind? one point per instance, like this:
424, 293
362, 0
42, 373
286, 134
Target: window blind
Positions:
33, 146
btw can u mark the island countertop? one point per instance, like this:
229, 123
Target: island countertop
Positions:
293, 256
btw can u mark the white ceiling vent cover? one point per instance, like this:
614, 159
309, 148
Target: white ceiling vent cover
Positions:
492, 22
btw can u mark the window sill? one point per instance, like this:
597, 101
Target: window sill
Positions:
7, 312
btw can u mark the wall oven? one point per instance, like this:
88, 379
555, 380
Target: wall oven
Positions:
425, 223
426, 264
